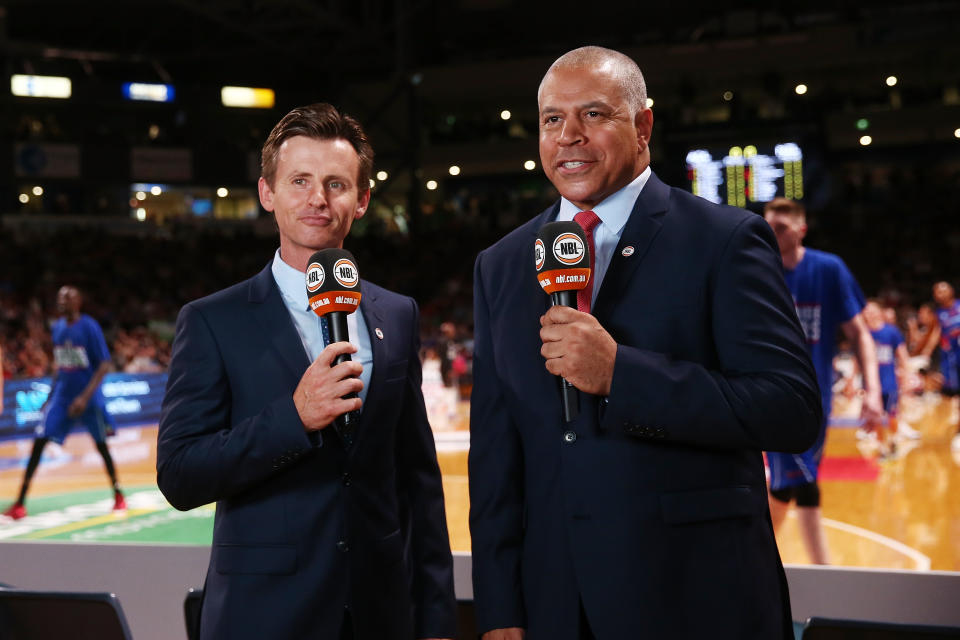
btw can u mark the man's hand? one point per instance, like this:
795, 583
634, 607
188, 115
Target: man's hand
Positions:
577, 348
319, 396
871, 411
511, 633
78, 406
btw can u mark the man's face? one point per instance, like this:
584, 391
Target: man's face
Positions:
789, 229
315, 197
68, 301
873, 315
591, 145
943, 294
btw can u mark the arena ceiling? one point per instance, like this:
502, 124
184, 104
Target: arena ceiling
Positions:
284, 42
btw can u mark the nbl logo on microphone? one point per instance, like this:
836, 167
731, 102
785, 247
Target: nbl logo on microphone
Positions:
315, 277
539, 253
568, 248
345, 272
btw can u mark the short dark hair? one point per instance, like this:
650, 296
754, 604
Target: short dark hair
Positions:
320, 121
785, 205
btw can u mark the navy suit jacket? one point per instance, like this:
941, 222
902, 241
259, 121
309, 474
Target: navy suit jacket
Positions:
651, 507
305, 528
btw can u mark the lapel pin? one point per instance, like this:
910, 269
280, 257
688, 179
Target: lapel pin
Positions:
379, 332
627, 251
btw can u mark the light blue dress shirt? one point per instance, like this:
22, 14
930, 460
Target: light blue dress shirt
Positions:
293, 290
613, 211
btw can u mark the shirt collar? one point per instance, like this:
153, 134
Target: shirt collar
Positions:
291, 282
615, 209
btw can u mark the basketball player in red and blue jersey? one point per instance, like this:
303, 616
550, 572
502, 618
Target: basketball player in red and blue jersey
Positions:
827, 297
948, 315
81, 359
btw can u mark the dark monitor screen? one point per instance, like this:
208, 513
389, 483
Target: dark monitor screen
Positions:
33, 615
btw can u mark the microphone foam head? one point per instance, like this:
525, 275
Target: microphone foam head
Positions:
562, 257
333, 282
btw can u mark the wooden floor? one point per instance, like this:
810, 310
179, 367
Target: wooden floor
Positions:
903, 512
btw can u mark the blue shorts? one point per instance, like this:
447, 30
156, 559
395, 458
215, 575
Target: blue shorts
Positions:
793, 469
950, 368
890, 401
57, 422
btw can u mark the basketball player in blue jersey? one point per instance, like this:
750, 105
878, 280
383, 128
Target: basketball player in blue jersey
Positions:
82, 360
891, 364
948, 316
827, 298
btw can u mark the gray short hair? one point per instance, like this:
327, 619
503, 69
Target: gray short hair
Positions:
621, 67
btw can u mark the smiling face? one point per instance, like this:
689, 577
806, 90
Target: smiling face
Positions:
315, 196
591, 143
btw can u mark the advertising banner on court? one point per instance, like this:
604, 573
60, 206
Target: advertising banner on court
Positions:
131, 399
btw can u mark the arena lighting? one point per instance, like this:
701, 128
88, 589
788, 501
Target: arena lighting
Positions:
956, 133
800, 89
431, 185
38, 190
892, 81
148, 92
222, 192
40, 86
649, 102
373, 183
247, 97
727, 96
529, 165
863, 124
382, 175
454, 170
141, 195
865, 140
24, 198
141, 214
505, 114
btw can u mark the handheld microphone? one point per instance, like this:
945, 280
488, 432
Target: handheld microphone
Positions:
562, 258
333, 289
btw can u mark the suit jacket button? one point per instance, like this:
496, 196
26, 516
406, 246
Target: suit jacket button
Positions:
346, 479
343, 546
569, 437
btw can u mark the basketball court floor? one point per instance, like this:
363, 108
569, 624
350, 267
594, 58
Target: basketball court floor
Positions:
901, 512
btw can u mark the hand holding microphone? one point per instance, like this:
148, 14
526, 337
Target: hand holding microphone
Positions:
328, 390
575, 345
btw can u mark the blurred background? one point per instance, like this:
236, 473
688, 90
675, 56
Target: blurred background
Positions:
129, 156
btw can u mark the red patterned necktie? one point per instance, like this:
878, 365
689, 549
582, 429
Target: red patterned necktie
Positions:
588, 220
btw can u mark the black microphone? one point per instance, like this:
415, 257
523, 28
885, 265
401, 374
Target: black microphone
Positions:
562, 258
333, 288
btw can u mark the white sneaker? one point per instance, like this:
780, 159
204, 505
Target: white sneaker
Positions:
906, 432
955, 443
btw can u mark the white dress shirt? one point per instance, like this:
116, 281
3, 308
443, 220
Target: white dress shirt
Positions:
613, 211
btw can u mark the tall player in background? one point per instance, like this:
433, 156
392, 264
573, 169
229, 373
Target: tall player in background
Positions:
827, 299
81, 359
948, 317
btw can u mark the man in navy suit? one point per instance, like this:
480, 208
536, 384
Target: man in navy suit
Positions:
312, 538
646, 516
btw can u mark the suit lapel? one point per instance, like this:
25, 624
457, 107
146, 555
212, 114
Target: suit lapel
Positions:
274, 319
639, 233
373, 316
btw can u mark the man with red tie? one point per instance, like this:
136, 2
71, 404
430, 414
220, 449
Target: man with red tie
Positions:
645, 515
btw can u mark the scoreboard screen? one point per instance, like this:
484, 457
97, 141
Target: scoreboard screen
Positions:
741, 175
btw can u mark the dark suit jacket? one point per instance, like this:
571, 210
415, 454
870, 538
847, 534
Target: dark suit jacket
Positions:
305, 528
651, 507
